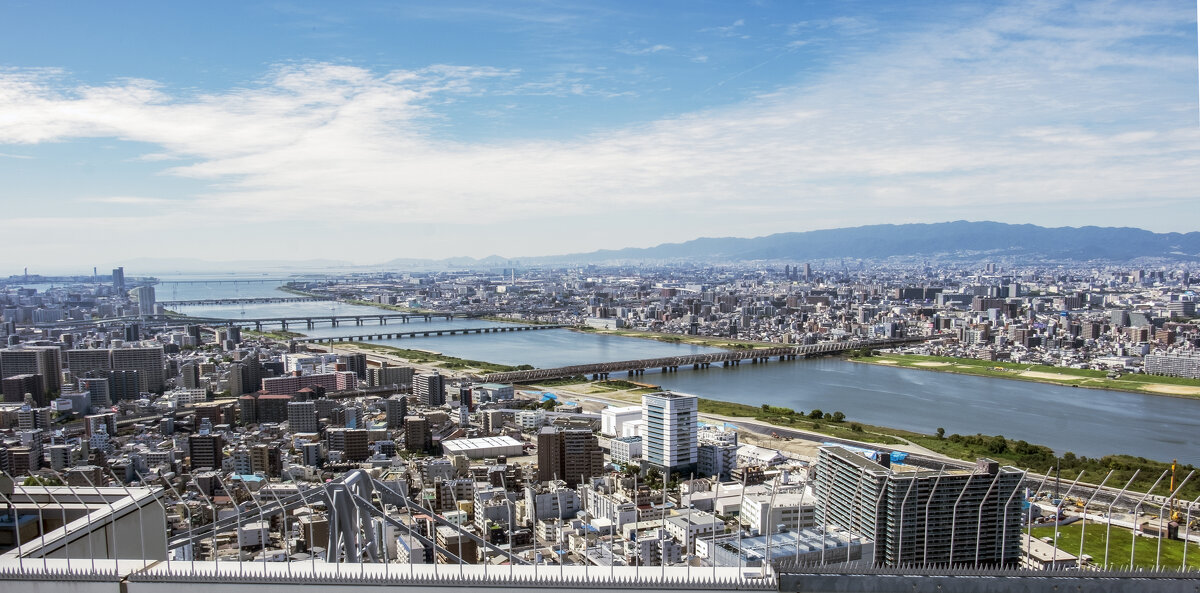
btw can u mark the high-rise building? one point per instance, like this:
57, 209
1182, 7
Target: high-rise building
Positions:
670, 423
418, 434
124, 384
570, 455
922, 517
302, 416
147, 361
266, 460
352, 442
430, 389
145, 299
88, 362
34, 360
355, 363
118, 279
99, 389
206, 451
396, 408
16, 386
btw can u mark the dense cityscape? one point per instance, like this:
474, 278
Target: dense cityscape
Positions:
108, 381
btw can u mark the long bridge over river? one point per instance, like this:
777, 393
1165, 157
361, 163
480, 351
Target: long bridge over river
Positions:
244, 301
428, 333
696, 361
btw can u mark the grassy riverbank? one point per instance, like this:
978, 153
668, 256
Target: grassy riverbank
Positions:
1136, 383
714, 341
433, 358
1120, 546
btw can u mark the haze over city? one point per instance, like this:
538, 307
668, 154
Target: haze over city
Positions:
426, 130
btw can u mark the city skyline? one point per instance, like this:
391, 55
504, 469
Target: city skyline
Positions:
429, 131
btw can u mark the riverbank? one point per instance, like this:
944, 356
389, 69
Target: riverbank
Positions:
433, 359
1017, 453
713, 341
1067, 377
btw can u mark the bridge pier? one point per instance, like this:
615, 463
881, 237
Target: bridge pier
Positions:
258, 326
333, 321
382, 320
284, 324
309, 322
358, 321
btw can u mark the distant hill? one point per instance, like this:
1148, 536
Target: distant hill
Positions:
943, 238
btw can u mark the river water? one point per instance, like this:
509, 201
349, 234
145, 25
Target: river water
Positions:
1087, 422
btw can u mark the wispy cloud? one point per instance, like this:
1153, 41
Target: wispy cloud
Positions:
734, 29
1019, 112
5, 155
641, 48
127, 200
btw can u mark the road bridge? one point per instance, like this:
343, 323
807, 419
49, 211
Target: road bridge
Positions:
311, 321
435, 332
696, 361
244, 301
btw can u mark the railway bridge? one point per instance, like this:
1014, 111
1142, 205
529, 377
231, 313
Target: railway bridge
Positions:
696, 361
435, 332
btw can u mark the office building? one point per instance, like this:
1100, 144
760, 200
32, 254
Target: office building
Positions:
118, 280
89, 362
396, 408
16, 386
352, 442
34, 360
669, 432
99, 389
418, 434
147, 361
145, 300
919, 516
570, 455
430, 389
302, 416
124, 384
355, 363
389, 375
205, 451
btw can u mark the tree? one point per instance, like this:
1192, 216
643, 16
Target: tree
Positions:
816, 414
941, 433
839, 417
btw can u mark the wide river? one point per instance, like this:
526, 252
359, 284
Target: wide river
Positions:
1086, 421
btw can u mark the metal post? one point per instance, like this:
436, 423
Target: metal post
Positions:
1004, 524
87, 515
16, 517
141, 524
190, 519
41, 527
1029, 525
900, 534
713, 550
1083, 526
770, 505
1108, 528
1161, 535
662, 542
212, 525
1186, 525
1057, 513
237, 521
454, 497
925, 536
954, 517
512, 524
283, 531
825, 524
1133, 545
741, 503
979, 516
63, 511
113, 512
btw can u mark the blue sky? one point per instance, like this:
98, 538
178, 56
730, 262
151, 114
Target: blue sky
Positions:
228, 130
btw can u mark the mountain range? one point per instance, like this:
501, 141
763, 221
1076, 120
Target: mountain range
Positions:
953, 239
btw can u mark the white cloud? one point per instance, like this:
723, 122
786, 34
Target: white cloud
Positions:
966, 119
